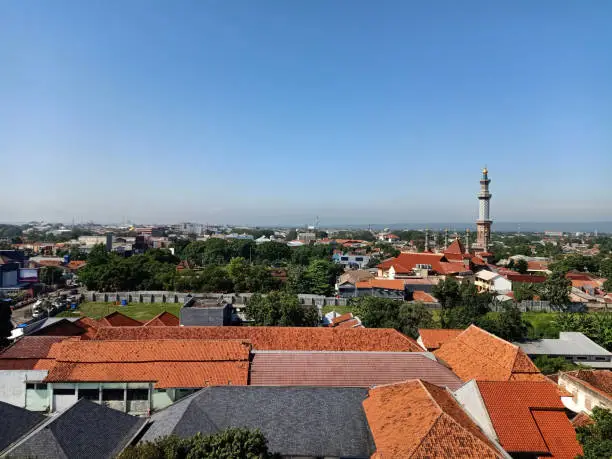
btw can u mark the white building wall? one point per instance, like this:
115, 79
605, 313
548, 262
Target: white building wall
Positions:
469, 397
13, 385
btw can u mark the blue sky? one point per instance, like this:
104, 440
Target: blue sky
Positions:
267, 112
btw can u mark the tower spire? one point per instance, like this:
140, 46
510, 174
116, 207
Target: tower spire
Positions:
467, 240
445, 238
483, 224
426, 239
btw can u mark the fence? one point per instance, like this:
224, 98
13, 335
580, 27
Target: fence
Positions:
182, 297
540, 306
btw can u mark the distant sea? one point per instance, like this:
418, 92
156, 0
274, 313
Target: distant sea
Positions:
566, 227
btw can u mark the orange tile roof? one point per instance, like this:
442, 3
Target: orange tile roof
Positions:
598, 380
342, 318
90, 325
419, 295
478, 354
433, 338
581, 420
30, 353
350, 324
456, 247
76, 264
116, 319
415, 419
529, 417
389, 284
164, 319
537, 266
278, 338
168, 363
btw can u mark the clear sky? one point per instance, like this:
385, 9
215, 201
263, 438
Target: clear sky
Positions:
268, 112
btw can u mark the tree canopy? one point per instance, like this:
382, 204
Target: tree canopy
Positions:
232, 443
596, 439
280, 309
387, 313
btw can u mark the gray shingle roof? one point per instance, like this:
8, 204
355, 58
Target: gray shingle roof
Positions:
569, 343
15, 422
297, 421
85, 430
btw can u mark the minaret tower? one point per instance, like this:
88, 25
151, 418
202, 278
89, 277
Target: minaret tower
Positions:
483, 224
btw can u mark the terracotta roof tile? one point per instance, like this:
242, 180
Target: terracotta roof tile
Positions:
164, 319
526, 278
389, 284
598, 380
30, 353
477, 354
346, 369
90, 325
278, 338
419, 295
349, 323
433, 338
415, 419
116, 319
529, 417
581, 420
558, 433
168, 363
342, 318
456, 247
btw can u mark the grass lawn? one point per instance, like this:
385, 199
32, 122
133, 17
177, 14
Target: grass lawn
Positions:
138, 311
338, 309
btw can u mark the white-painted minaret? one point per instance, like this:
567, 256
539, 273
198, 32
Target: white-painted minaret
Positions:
483, 224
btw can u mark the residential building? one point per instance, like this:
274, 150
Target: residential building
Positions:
431, 339
423, 265
306, 237
480, 355
573, 346
527, 418
139, 377
347, 369
415, 419
488, 281
382, 288
298, 422
346, 283
333, 319
351, 261
588, 388
84, 429
276, 338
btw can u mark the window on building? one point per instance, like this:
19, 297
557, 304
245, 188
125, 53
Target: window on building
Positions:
90, 394
344, 258
112, 395
63, 391
581, 357
138, 394
601, 359
36, 386
358, 258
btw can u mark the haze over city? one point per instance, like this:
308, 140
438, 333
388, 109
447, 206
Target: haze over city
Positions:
274, 112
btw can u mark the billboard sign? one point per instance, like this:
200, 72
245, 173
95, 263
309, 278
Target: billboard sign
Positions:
28, 275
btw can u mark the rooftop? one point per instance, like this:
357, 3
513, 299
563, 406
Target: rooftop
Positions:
598, 380
296, 421
164, 319
278, 338
529, 417
347, 369
415, 419
21, 422
116, 319
569, 343
388, 284
168, 363
433, 338
478, 354
30, 353
86, 429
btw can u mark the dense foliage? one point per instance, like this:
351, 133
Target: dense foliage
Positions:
550, 365
596, 326
596, 439
282, 309
227, 444
387, 313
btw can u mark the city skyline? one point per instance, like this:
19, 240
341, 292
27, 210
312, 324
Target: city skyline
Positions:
275, 113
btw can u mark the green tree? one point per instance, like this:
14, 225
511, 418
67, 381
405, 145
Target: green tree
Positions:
296, 279
550, 365
387, 313
291, 235
509, 325
521, 266
280, 309
232, 443
523, 291
51, 275
273, 252
556, 289
596, 439
321, 277
605, 269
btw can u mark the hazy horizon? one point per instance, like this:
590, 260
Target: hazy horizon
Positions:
272, 112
